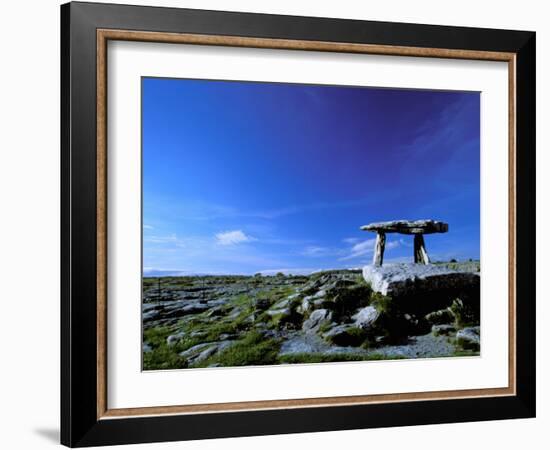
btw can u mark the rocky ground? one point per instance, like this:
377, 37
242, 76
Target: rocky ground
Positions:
223, 321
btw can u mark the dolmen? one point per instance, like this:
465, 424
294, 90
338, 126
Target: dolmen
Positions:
421, 287
418, 228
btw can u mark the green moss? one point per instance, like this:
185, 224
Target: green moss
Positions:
464, 315
352, 336
214, 331
291, 320
325, 326
344, 301
382, 303
242, 300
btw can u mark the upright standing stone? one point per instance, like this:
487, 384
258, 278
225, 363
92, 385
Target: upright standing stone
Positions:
420, 254
379, 246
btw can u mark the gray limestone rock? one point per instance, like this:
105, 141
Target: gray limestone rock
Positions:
316, 320
345, 335
146, 348
201, 352
277, 312
468, 338
195, 349
404, 279
366, 317
175, 338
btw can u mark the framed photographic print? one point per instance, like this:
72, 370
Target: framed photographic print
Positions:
276, 224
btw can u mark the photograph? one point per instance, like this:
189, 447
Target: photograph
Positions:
304, 223
280, 222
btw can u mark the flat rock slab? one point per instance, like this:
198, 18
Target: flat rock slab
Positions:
425, 346
399, 280
408, 227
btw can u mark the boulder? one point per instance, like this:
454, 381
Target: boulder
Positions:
236, 312
200, 352
203, 355
227, 336
261, 304
468, 338
345, 335
310, 302
404, 279
216, 311
366, 317
281, 304
198, 334
278, 312
150, 315
317, 318
195, 349
439, 317
420, 289
305, 306
345, 301
175, 338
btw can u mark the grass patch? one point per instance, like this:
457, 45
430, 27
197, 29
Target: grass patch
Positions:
382, 303
324, 327
344, 301
309, 358
465, 353
253, 350
464, 314
163, 357
156, 336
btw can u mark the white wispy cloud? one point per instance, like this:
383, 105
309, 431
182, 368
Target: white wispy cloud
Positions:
315, 251
233, 237
291, 271
351, 240
366, 248
169, 239
393, 244
210, 211
147, 227
360, 249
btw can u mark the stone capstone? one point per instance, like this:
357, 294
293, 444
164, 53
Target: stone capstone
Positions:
427, 226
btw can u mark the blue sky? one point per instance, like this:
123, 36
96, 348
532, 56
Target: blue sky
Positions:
242, 177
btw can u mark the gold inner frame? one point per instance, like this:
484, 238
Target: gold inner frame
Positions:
104, 35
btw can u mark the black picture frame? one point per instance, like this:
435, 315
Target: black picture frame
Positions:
80, 425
